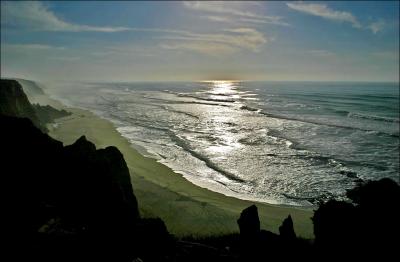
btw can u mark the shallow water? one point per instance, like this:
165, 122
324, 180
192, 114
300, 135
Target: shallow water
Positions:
278, 142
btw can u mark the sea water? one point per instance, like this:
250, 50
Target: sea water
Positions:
294, 143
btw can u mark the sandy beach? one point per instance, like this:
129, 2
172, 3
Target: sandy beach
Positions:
186, 208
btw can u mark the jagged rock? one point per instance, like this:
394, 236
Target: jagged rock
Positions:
332, 221
249, 223
82, 149
14, 102
31, 89
376, 194
47, 114
87, 191
286, 230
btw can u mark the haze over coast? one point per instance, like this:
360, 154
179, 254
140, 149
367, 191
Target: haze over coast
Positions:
200, 131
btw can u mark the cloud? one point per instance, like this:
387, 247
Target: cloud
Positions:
228, 41
34, 15
377, 26
30, 47
321, 53
232, 11
324, 11
262, 21
38, 17
65, 58
214, 49
218, 18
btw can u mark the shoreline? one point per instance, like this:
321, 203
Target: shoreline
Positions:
186, 208
206, 184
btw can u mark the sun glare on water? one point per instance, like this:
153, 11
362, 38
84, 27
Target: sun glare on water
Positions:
223, 87
221, 120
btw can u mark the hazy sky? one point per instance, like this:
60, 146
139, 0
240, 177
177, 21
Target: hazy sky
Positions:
124, 41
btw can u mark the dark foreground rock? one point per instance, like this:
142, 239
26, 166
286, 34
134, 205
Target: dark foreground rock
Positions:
62, 197
286, 230
368, 227
14, 102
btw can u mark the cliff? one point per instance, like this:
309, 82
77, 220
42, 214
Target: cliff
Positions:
59, 197
14, 102
48, 114
30, 87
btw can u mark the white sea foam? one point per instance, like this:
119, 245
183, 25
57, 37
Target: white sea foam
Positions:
258, 149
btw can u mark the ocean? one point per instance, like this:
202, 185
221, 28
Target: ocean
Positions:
291, 143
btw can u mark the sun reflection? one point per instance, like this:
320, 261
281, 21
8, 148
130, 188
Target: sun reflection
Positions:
223, 87
222, 84
222, 121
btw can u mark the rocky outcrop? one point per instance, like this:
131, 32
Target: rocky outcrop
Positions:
368, 227
286, 230
14, 102
59, 194
254, 241
47, 114
30, 87
249, 223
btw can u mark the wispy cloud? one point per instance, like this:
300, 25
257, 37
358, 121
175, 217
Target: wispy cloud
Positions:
377, 26
218, 18
65, 58
262, 21
232, 12
324, 11
36, 16
214, 49
228, 41
320, 53
20, 47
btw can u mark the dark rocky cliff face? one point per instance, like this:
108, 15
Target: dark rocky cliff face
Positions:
30, 87
14, 102
48, 114
68, 203
60, 196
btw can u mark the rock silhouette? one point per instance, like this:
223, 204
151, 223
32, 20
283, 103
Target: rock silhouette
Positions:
286, 230
368, 228
249, 223
64, 196
14, 102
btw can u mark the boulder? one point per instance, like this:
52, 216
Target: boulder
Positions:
249, 223
286, 230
